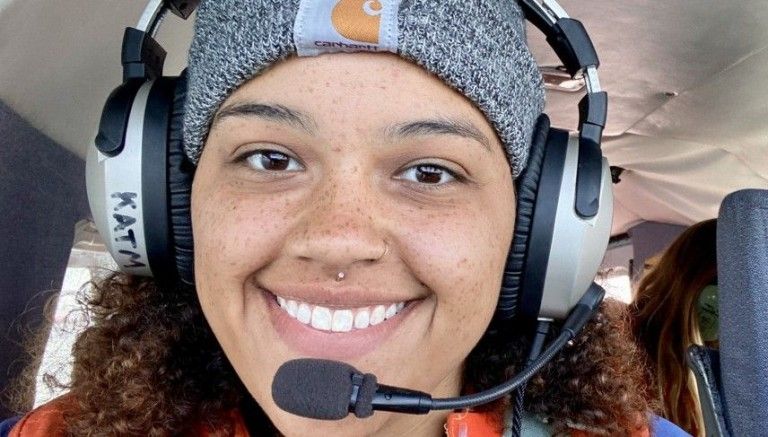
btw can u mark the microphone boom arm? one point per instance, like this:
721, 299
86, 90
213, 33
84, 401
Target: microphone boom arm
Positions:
422, 403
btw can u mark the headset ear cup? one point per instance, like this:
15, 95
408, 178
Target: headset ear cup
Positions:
527, 191
180, 174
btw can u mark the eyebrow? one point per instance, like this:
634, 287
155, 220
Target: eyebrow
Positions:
439, 126
270, 112
283, 114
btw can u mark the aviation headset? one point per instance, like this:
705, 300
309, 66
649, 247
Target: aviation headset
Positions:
139, 179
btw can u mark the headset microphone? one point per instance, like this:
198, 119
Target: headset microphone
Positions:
331, 390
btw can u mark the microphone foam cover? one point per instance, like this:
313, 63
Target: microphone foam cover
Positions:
364, 404
314, 388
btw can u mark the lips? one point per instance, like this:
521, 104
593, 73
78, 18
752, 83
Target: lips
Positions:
339, 319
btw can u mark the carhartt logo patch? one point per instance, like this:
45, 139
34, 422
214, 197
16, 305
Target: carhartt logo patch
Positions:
326, 26
358, 20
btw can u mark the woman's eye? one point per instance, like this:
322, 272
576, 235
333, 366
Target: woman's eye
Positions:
428, 174
271, 160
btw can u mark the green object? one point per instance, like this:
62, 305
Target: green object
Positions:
706, 307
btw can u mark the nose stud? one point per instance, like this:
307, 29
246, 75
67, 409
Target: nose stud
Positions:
341, 275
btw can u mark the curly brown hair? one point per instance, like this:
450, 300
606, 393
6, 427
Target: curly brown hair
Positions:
596, 383
150, 365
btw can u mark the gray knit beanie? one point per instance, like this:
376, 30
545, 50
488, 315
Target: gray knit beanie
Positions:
477, 47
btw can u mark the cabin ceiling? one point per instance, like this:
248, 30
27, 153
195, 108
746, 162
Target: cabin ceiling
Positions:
686, 81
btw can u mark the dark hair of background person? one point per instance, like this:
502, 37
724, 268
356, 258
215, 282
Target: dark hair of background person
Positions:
151, 365
665, 320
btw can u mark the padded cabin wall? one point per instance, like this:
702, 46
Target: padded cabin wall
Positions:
42, 193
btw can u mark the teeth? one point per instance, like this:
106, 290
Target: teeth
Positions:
304, 315
362, 319
321, 318
391, 311
340, 320
292, 307
377, 315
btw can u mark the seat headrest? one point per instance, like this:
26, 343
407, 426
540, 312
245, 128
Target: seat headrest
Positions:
742, 257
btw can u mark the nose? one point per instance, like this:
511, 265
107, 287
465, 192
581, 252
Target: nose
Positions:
339, 229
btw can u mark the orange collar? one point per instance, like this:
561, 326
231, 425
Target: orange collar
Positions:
461, 424
48, 420
468, 423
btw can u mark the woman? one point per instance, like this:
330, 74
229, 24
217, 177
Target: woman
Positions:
351, 206
675, 307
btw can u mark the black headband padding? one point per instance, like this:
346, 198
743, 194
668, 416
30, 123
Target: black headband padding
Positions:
180, 174
157, 229
527, 189
542, 228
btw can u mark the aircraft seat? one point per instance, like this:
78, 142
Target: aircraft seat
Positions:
742, 258
704, 362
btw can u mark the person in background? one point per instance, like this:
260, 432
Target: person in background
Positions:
675, 307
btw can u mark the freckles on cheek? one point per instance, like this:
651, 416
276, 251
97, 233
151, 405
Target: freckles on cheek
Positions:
237, 231
474, 287
459, 255
209, 228
453, 239
452, 250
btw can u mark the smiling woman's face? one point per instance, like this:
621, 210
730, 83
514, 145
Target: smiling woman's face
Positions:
362, 166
